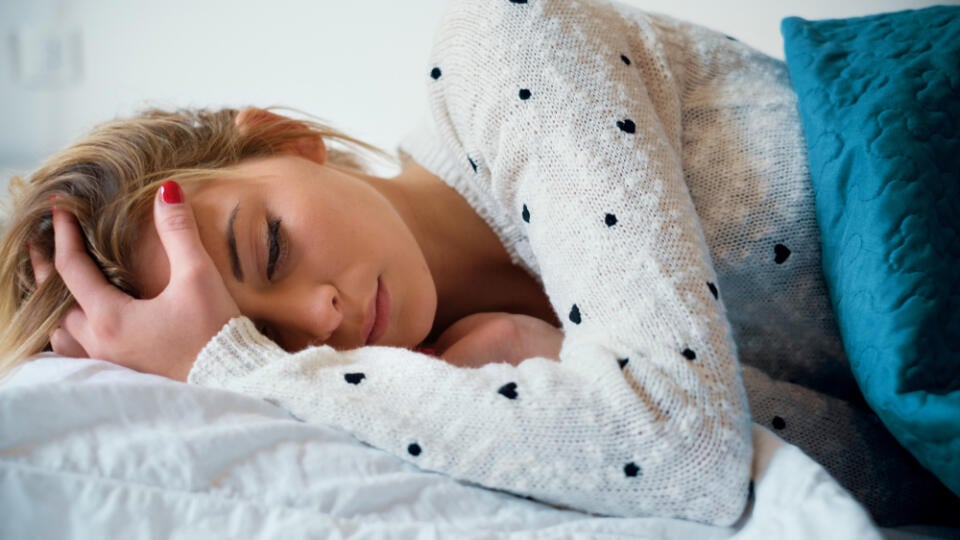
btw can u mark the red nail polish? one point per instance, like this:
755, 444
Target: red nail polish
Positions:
171, 193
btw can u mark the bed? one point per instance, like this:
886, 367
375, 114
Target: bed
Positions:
92, 450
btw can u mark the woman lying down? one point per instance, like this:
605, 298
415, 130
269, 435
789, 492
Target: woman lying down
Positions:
548, 299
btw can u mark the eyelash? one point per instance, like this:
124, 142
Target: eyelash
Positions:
276, 247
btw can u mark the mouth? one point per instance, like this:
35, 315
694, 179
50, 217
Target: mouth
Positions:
379, 313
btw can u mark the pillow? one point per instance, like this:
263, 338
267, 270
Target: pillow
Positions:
879, 98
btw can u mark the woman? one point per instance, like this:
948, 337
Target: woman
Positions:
579, 163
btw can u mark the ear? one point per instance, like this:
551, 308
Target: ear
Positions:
311, 148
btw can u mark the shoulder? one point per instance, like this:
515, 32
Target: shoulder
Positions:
511, 29
490, 54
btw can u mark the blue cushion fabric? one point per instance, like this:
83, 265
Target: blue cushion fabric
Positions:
879, 98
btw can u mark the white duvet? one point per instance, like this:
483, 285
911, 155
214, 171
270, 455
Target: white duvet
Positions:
92, 450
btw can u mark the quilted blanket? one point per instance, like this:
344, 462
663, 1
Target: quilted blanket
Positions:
879, 98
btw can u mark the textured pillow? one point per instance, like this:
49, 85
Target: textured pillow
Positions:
879, 98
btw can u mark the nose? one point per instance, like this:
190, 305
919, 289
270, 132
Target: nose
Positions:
323, 313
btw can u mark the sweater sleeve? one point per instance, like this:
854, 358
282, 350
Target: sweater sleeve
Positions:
645, 414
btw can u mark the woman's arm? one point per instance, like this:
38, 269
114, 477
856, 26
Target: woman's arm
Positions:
562, 123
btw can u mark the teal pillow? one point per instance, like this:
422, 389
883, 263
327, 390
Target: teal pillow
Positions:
879, 98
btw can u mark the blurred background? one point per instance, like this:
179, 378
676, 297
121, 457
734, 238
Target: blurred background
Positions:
66, 65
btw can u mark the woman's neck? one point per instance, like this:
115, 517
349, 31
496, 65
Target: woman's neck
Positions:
471, 269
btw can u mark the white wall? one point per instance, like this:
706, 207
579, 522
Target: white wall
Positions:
358, 64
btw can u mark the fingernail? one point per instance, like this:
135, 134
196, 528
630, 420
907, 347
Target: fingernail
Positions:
171, 193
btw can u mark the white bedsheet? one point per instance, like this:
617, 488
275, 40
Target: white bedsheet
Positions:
92, 450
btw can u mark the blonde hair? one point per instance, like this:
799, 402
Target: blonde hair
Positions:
108, 180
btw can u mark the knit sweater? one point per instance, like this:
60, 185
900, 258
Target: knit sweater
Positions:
651, 175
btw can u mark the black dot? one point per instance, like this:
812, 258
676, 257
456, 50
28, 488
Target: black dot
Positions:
524, 94
473, 163
518, 1
631, 469
689, 355
610, 220
781, 253
731, 38
354, 378
525, 214
625, 59
713, 290
779, 423
435, 73
414, 449
575, 314
623, 362
509, 390
627, 126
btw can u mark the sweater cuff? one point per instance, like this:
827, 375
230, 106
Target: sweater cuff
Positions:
236, 350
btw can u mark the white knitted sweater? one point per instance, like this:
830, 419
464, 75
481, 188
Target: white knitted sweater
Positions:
621, 157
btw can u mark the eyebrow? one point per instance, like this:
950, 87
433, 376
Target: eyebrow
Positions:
232, 245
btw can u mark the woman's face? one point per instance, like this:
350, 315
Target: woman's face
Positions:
312, 254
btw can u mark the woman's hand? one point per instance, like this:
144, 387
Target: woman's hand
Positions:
485, 338
161, 335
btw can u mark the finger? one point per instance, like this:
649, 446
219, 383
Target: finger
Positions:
177, 227
63, 344
41, 265
78, 271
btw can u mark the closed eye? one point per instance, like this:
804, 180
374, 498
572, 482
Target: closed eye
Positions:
275, 248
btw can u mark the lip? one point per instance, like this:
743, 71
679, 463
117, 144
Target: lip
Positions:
379, 313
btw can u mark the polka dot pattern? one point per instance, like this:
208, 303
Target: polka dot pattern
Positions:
435, 73
623, 362
575, 315
508, 390
781, 253
627, 126
778, 423
524, 94
354, 378
610, 220
625, 59
525, 214
632, 470
414, 449
713, 290
689, 354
